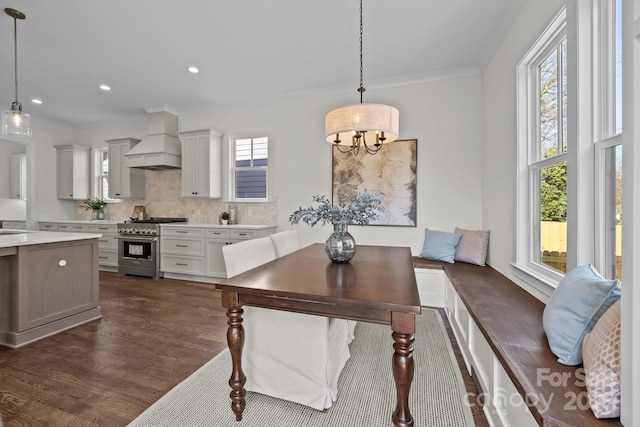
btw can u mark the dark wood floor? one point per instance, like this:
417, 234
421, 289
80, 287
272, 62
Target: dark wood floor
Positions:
153, 335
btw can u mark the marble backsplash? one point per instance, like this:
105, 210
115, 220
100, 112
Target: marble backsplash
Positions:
163, 199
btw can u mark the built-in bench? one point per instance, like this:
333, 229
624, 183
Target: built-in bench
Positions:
498, 326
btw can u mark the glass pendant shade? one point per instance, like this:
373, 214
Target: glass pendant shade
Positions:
374, 118
15, 122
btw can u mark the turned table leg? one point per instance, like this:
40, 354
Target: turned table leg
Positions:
403, 373
235, 340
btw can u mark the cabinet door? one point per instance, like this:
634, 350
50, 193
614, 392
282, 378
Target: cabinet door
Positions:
65, 174
189, 166
19, 176
124, 182
115, 170
214, 260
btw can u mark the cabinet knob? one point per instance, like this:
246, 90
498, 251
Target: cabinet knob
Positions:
62, 262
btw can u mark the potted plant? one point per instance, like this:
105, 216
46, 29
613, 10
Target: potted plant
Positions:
351, 209
95, 205
224, 217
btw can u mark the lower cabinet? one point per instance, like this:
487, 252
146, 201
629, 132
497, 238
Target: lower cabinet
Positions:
197, 251
107, 244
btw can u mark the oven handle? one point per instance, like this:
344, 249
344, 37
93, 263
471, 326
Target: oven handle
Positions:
138, 239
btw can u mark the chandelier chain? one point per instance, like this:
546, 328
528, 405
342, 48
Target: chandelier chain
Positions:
361, 89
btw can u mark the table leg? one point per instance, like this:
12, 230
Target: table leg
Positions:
235, 340
403, 374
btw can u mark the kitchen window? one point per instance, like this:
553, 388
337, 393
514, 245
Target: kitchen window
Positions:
249, 168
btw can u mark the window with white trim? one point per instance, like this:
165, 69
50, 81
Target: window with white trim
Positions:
569, 119
249, 168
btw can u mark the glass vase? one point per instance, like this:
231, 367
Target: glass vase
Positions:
340, 246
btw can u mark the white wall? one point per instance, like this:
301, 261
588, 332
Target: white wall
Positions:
445, 118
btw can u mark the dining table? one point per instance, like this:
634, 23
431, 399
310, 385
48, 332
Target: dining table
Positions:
377, 285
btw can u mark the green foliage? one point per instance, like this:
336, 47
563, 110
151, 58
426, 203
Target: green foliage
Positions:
360, 210
553, 191
94, 204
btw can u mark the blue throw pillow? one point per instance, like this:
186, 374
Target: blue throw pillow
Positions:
440, 245
573, 310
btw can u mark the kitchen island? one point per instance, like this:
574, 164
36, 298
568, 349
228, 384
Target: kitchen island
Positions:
48, 283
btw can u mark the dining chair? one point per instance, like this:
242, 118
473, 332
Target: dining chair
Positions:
286, 242
292, 356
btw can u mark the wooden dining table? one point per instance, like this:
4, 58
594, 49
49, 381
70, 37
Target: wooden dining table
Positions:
378, 285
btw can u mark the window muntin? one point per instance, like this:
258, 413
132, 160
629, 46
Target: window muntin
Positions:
250, 168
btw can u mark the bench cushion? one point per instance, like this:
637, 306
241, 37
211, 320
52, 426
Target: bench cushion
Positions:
582, 296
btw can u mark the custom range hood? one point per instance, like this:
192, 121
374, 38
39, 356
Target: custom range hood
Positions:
160, 149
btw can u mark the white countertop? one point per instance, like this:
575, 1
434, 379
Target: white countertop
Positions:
211, 225
41, 237
82, 221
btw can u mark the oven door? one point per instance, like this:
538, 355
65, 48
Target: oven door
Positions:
137, 248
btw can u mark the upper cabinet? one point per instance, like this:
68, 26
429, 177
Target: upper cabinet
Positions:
74, 171
202, 163
124, 182
19, 176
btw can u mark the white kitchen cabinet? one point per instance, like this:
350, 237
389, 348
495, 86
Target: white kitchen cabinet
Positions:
14, 225
196, 249
107, 244
124, 182
201, 163
19, 176
182, 250
74, 171
217, 238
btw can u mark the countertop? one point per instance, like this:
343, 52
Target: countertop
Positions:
212, 225
82, 221
41, 237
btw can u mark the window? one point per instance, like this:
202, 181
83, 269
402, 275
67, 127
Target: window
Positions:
249, 171
101, 173
570, 145
608, 144
542, 154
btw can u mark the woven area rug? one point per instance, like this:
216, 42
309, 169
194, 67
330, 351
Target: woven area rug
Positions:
366, 390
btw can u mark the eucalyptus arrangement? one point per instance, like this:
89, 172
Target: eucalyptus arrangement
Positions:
359, 209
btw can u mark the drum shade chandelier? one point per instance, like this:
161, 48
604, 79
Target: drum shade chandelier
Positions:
360, 120
15, 122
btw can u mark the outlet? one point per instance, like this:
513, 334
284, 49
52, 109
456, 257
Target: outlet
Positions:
249, 212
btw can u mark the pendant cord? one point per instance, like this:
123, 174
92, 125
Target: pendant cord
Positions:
15, 53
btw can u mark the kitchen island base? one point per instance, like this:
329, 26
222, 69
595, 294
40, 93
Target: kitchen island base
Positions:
47, 288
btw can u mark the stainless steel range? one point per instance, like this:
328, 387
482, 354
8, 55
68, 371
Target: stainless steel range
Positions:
138, 243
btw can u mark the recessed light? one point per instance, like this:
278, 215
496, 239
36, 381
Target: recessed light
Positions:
105, 88
36, 101
193, 70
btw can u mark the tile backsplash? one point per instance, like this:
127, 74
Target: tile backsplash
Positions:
163, 199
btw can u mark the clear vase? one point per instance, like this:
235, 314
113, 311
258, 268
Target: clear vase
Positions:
340, 246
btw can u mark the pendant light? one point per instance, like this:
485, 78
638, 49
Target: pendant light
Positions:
360, 120
15, 122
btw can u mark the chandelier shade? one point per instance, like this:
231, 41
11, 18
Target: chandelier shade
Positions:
375, 118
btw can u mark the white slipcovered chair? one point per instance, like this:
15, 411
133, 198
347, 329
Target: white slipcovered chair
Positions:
288, 241
304, 370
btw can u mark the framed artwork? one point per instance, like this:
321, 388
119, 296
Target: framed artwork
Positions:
392, 171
